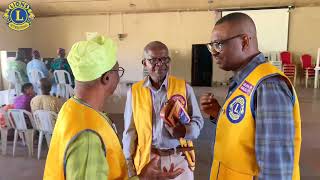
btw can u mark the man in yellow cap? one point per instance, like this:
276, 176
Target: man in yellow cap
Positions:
84, 143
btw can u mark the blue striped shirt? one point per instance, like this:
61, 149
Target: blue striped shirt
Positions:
273, 112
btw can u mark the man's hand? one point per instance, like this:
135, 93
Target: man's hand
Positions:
171, 174
153, 171
210, 105
179, 131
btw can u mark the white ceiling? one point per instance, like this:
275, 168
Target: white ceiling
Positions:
76, 7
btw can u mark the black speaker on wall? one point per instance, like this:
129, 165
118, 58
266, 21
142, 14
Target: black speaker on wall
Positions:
201, 65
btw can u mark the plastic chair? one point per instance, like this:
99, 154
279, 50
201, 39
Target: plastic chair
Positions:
45, 121
64, 91
4, 128
18, 120
274, 59
317, 69
64, 84
14, 77
288, 68
35, 76
286, 57
308, 67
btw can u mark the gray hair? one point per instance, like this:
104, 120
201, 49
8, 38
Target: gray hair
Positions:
153, 45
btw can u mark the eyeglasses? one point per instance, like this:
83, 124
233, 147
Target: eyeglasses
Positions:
217, 46
163, 60
120, 71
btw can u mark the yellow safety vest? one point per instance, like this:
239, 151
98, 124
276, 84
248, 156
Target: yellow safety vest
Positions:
234, 150
74, 118
142, 115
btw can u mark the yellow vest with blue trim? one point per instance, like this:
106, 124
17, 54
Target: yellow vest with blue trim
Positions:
234, 150
142, 115
73, 119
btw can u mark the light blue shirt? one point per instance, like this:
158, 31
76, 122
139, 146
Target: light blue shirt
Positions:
161, 138
38, 65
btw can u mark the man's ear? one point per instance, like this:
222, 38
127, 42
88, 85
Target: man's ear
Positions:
245, 42
105, 78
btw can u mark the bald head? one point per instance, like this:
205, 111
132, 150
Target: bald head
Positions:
241, 23
235, 40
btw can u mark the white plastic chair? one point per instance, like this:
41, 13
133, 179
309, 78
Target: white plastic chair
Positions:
64, 91
45, 121
4, 132
14, 77
64, 88
35, 76
19, 125
317, 69
275, 60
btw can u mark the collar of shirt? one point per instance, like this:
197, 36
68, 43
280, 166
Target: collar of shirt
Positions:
148, 84
240, 75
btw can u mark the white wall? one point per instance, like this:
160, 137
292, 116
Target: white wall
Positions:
11, 40
179, 30
304, 32
272, 28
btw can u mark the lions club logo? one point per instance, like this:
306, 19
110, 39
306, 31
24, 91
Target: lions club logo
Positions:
236, 109
18, 15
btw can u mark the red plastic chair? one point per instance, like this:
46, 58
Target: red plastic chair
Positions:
286, 57
308, 67
288, 68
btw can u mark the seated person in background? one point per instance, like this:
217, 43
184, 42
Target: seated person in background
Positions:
61, 63
3, 124
18, 65
37, 64
4, 109
23, 101
45, 101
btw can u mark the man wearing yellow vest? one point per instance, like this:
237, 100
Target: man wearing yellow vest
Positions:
84, 144
258, 134
146, 134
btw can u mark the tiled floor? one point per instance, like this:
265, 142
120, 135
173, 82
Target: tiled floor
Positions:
22, 167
